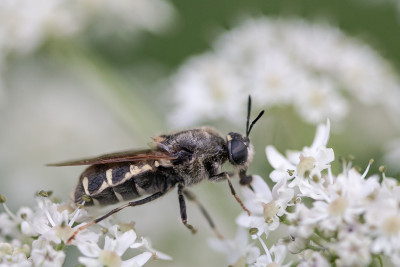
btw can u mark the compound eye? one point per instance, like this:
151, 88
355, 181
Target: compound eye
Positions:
238, 151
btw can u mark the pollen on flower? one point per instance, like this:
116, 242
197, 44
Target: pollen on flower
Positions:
315, 178
338, 206
109, 258
270, 210
305, 166
391, 225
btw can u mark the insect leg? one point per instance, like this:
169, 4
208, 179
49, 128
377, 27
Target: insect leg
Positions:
129, 204
190, 196
225, 175
182, 206
245, 179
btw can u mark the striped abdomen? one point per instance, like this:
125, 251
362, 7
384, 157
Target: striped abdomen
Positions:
111, 183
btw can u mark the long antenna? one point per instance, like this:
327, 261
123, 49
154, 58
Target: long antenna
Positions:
248, 129
248, 116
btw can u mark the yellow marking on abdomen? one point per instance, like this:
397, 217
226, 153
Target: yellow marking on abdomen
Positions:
85, 184
109, 176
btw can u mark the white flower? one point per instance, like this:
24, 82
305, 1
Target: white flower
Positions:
146, 246
313, 67
304, 167
317, 100
298, 229
265, 206
383, 218
25, 215
237, 250
273, 257
14, 254
347, 199
313, 258
353, 249
202, 89
137, 15
7, 225
43, 254
54, 223
112, 252
26, 24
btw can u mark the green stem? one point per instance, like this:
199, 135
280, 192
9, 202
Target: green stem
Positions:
317, 240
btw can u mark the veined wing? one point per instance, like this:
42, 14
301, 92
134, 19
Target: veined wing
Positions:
124, 156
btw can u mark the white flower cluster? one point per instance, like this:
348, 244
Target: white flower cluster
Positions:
346, 220
38, 238
315, 68
26, 24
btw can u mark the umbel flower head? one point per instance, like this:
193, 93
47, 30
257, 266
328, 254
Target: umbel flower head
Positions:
38, 237
349, 219
313, 67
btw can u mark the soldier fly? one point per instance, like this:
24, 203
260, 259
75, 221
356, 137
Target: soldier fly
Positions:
180, 159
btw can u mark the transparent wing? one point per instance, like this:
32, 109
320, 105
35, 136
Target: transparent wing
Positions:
124, 156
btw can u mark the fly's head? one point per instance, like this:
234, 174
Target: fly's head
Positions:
240, 149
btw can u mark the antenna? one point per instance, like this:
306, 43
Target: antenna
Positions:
248, 129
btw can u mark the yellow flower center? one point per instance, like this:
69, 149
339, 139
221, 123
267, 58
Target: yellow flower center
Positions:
110, 258
338, 206
64, 232
391, 225
270, 210
305, 166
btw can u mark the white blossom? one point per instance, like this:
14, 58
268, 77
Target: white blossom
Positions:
14, 254
349, 219
40, 236
26, 24
304, 168
237, 250
112, 252
265, 206
313, 67
145, 245
54, 224
44, 254
313, 258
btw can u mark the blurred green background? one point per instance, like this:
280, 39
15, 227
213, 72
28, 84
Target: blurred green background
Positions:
88, 95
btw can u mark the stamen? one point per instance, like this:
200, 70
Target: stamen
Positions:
367, 169
382, 169
8, 211
46, 211
77, 211
265, 249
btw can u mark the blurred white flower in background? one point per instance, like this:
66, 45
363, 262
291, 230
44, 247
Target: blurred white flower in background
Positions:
211, 92
125, 15
26, 24
313, 67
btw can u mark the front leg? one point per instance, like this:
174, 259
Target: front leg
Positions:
182, 206
244, 178
225, 175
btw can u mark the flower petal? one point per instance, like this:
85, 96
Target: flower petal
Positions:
276, 159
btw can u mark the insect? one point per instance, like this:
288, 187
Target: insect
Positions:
180, 159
